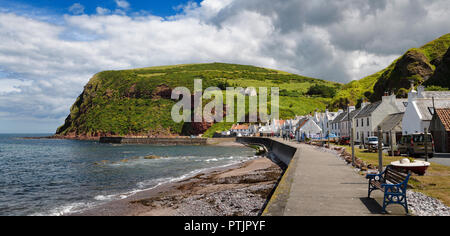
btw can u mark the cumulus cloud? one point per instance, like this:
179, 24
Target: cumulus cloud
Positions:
102, 11
76, 9
45, 65
122, 4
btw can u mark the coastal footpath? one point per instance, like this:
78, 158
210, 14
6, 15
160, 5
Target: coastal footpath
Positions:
319, 183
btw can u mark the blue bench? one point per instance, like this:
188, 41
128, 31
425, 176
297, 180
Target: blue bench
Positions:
393, 183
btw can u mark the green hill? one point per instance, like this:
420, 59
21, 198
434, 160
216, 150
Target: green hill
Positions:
137, 102
417, 64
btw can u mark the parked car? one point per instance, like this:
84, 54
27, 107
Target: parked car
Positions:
414, 145
371, 143
344, 141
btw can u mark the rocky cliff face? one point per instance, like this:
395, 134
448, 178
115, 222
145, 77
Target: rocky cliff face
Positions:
427, 65
413, 66
138, 102
441, 76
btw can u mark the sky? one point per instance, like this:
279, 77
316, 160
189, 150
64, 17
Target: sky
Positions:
50, 49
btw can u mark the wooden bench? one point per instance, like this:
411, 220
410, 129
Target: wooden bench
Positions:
393, 183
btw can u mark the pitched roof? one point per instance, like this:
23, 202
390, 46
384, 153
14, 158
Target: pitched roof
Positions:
354, 113
332, 115
339, 118
436, 94
302, 122
425, 106
401, 104
239, 127
444, 115
392, 122
367, 110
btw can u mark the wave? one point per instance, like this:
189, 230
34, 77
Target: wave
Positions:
147, 185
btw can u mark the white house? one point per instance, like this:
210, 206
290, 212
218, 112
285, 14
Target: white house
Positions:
240, 130
251, 92
371, 116
323, 120
335, 124
289, 126
346, 122
420, 109
254, 129
307, 128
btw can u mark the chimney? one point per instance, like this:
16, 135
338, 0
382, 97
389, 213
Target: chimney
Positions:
412, 95
420, 90
364, 104
385, 98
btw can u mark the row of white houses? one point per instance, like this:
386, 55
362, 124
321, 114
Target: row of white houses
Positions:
396, 117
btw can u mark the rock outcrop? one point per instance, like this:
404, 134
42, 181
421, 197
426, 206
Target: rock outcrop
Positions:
413, 66
441, 76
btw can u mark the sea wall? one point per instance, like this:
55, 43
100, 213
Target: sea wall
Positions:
289, 155
166, 141
155, 141
283, 152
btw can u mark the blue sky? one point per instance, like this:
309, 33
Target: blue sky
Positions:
160, 8
49, 49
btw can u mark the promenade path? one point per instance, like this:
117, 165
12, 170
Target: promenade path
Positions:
322, 184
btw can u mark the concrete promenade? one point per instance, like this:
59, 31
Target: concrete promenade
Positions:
317, 183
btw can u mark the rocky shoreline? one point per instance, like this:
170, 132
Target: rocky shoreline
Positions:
239, 190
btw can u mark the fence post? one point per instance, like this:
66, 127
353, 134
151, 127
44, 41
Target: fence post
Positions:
380, 150
352, 142
391, 142
328, 133
425, 138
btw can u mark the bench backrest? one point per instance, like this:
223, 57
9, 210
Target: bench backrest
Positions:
395, 176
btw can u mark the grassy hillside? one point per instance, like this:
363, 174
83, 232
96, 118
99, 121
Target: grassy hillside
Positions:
417, 64
137, 102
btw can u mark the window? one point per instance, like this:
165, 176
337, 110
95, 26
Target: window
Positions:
362, 123
367, 121
373, 139
357, 123
357, 135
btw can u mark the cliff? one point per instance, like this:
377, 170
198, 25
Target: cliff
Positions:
422, 65
137, 102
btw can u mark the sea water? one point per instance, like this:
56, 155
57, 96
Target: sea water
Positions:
57, 177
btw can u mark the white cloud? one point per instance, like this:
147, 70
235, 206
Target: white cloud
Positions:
122, 4
102, 11
76, 9
348, 41
12, 85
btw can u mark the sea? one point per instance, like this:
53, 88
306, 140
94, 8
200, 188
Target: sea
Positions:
59, 177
